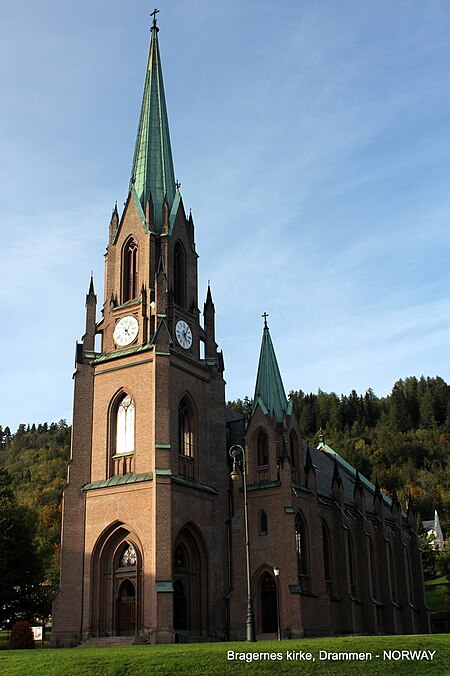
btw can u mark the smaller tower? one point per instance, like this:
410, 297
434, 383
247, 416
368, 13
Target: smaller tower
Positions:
275, 470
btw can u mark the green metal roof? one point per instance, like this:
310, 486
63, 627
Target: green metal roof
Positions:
119, 480
152, 172
269, 390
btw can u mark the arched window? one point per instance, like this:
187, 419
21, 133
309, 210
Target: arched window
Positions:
409, 578
391, 571
122, 437
128, 557
130, 271
179, 275
263, 530
301, 545
372, 570
262, 446
186, 429
125, 426
293, 452
328, 570
351, 566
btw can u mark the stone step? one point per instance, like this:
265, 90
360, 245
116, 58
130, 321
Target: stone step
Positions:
111, 641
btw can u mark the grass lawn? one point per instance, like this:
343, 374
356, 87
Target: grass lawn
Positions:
435, 592
210, 659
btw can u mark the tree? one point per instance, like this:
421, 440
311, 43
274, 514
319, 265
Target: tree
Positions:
429, 556
21, 635
21, 570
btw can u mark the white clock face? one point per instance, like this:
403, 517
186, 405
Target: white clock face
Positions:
126, 330
183, 334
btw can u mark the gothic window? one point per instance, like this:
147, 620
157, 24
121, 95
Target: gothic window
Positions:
301, 546
409, 578
125, 426
328, 570
128, 557
391, 571
351, 566
179, 275
130, 271
122, 435
293, 451
262, 447
372, 572
180, 558
186, 429
263, 529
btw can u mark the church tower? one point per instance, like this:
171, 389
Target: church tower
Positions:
145, 505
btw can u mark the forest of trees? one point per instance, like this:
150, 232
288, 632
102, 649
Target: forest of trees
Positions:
403, 440
33, 465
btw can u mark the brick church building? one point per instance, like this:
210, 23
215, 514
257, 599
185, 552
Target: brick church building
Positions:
153, 536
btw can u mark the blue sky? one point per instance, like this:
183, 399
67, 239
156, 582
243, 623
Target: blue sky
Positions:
312, 141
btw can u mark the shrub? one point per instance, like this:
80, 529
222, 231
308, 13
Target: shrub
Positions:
21, 635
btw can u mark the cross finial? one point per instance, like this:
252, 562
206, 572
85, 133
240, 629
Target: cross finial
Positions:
153, 14
264, 316
177, 185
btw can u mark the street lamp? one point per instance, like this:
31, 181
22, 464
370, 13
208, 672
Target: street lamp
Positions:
276, 572
240, 461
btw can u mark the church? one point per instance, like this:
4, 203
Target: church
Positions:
186, 521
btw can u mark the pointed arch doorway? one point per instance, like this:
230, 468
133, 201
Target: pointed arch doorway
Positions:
126, 609
190, 584
117, 601
268, 604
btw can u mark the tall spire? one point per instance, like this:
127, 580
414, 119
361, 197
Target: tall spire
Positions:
152, 173
269, 388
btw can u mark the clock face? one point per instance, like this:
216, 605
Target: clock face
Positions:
126, 330
183, 334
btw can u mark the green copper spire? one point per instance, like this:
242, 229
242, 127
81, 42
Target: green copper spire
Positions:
152, 173
269, 390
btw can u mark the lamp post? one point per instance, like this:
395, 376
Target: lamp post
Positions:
276, 572
240, 460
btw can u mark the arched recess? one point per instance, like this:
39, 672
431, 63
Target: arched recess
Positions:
372, 568
294, 455
190, 582
262, 450
122, 422
351, 574
116, 583
266, 601
130, 270
263, 523
179, 275
302, 549
327, 559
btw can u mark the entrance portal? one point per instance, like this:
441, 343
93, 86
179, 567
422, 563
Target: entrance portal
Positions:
126, 609
268, 596
117, 599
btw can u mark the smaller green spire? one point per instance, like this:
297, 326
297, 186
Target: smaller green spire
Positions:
269, 390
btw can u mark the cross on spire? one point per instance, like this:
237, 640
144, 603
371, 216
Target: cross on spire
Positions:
153, 14
264, 316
